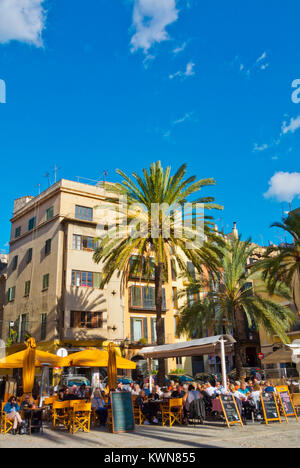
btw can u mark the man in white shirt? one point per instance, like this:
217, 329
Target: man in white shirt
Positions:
211, 391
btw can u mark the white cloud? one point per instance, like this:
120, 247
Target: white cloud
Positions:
150, 20
260, 148
187, 116
291, 127
22, 20
262, 57
189, 71
284, 186
180, 49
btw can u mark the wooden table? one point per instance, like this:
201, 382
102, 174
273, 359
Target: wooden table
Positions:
32, 419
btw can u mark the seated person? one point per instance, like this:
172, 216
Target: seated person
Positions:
153, 395
211, 391
254, 398
83, 392
67, 395
269, 388
98, 404
148, 410
27, 403
178, 392
165, 393
244, 389
135, 390
12, 412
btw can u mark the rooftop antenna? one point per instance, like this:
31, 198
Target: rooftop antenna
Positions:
39, 187
56, 169
47, 175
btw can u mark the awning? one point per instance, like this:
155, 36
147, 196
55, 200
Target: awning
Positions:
188, 348
288, 353
279, 357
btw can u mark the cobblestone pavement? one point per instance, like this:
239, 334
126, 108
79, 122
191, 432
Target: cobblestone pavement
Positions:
211, 435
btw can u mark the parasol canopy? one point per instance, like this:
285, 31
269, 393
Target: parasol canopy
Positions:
95, 358
16, 361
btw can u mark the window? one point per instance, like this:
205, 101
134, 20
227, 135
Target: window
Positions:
18, 232
23, 327
29, 256
83, 242
43, 326
143, 297
191, 269
138, 329
48, 247
76, 242
84, 213
27, 288
14, 263
173, 269
31, 224
175, 298
86, 320
176, 320
46, 279
153, 330
11, 294
148, 268
86, 279
136, 296
49, 213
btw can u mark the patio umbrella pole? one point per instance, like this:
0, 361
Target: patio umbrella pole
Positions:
45, 375
223, 363
150, 374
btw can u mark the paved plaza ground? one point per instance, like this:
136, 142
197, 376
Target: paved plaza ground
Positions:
211, 435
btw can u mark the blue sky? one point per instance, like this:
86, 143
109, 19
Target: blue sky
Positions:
109, 84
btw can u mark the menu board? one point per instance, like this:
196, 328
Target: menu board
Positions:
270, 408
230, 410
286, 401
122, 412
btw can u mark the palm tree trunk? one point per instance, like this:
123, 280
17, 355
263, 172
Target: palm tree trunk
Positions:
159, 320
238, 324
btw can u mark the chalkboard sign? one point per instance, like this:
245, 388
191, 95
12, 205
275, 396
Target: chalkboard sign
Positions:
270, 408
286, 401
230, 410
122, 412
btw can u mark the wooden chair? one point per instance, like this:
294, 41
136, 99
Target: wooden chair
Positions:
139, 417
80, 416
296, 401
6, 424
60, 414
171, 411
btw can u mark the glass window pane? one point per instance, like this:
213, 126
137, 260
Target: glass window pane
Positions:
137, 329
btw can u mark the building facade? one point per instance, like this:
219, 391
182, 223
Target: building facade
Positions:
52, 287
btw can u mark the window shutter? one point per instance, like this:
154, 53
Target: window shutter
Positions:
96, 280
145, 329
132, 329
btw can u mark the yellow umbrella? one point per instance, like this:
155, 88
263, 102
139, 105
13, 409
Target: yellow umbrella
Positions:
95, 358
16, 361
29, 366
112, 367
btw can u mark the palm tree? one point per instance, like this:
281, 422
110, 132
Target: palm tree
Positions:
281, 264
152, 234
232, 298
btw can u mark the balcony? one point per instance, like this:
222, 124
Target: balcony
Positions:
86, 334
